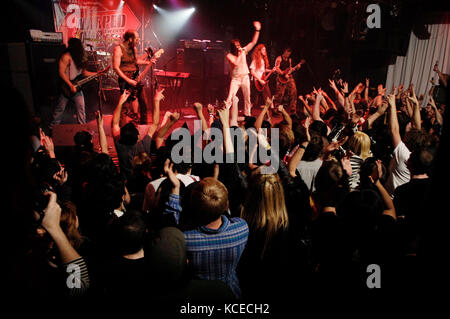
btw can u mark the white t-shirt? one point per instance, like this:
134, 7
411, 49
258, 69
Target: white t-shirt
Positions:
241, 69
399, 172
259, 71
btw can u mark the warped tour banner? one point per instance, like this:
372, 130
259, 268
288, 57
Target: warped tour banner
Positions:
97, 23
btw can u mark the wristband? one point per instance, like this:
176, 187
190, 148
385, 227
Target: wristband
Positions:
302, 146
257, 30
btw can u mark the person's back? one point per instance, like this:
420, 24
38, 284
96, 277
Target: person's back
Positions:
214, 249
410, 197
128, 146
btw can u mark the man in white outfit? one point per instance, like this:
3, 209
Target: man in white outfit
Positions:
237, 58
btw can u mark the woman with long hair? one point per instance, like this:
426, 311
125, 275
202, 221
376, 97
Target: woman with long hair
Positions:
264, 266
359, 145
258, 68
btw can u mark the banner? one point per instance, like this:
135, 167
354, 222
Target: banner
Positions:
92, 22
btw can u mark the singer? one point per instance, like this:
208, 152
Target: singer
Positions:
237, 58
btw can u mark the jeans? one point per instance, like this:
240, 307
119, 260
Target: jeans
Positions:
78, 100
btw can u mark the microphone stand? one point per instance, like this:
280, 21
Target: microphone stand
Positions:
100, 91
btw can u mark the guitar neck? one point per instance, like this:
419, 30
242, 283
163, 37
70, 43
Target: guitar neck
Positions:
143, 73
85, 80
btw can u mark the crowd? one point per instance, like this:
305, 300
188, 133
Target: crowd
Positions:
350, 191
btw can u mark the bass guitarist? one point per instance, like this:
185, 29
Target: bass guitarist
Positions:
126, 63
285, 81
71, 64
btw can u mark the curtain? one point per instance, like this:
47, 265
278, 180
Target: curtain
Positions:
417, 66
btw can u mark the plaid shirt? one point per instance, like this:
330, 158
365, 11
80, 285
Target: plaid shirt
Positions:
214, 253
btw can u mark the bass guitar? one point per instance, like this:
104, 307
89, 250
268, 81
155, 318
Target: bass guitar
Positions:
78, 82
285, 76
138, 76
258, 85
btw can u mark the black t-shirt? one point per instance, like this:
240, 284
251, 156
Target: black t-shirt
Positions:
409, 200
126, 153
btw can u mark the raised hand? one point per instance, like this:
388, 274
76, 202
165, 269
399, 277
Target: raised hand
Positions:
224, 116
257, 25
198, 107
124, 97
436, 68
175, 116
168, 170
159, 95
61, 176
332, 84
52, 213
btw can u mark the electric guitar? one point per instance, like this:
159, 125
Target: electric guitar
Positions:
285, 76
78, 82
138, 76
258, 85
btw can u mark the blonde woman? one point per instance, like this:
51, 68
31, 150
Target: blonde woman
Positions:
359, 145
266, 258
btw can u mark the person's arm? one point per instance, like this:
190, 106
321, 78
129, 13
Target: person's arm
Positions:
416, 120
117, 56
159, 135
366, 90
305, 106
47, 144
101, 133
51, 223
316, 108
115, 128
297, 157
286, 115
339, 96
260, 118
70, 259
277, 65
390, 208
441, 75
234, 60
198, 108
394, 127
329, 100
438, 114
156, 112
224, 115
409, 108
373, 117
234, 112
173, 206
255, 38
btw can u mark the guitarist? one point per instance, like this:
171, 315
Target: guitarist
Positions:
71, 64
285, 81
126, 63
259, 69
